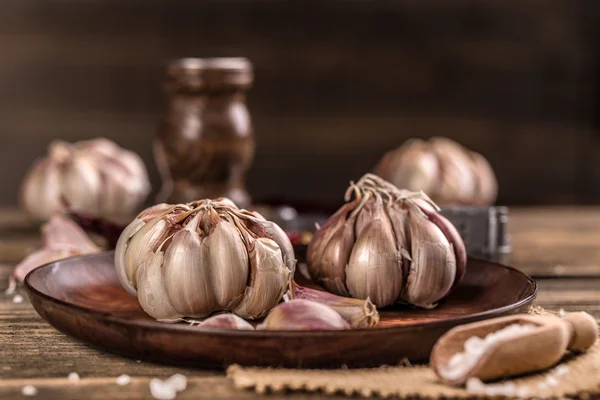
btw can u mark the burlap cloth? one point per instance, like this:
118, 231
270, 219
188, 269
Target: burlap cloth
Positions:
404, 381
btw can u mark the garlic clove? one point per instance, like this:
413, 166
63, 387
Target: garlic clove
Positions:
433, 265
401, 228
458, 246
271, 230
335, 258
229, 260
62, 238
151, 290
269, 278
303, 315
375, 266
321, 238
186, 273
143, 243
364, 218
226, 321
358, 313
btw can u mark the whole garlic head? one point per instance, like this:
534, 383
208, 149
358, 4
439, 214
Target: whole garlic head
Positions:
388, 245
442, 168
191, 260
95, 177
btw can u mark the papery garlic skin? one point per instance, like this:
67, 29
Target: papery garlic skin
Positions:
358, 313
94, 177
448, 172
192, 260
396, 247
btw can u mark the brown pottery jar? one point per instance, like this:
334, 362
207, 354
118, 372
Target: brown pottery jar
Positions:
205, 142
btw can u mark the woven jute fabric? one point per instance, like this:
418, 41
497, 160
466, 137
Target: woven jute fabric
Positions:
581, 380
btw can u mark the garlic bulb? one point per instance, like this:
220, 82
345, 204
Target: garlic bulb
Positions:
442, 168
191, 260
388, 245
94, 177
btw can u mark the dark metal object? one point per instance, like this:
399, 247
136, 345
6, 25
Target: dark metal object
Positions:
484, 230
205, 143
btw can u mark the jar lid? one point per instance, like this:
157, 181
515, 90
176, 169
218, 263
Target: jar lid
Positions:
209, 73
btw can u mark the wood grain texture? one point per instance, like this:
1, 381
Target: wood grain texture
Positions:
32, 352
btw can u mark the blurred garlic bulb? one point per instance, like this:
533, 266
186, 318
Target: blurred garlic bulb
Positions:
448, 172
388, 245
95, 177
191, 260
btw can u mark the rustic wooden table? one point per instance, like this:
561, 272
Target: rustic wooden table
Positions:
559, 246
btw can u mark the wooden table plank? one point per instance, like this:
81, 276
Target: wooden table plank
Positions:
556, 241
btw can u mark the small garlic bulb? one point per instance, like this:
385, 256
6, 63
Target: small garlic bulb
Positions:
191, 260
388, 245
95, 177
442, 168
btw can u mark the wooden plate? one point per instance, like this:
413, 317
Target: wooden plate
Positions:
82, 297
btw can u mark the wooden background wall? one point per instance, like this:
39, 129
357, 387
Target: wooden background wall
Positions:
337, 84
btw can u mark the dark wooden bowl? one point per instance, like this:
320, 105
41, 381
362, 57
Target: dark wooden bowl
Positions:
82, 297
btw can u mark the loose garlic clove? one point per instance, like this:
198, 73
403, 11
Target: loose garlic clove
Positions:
269, 278
358, 313
303, 315
226, 321
433, 266
62, 238
151, 290
375, 266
